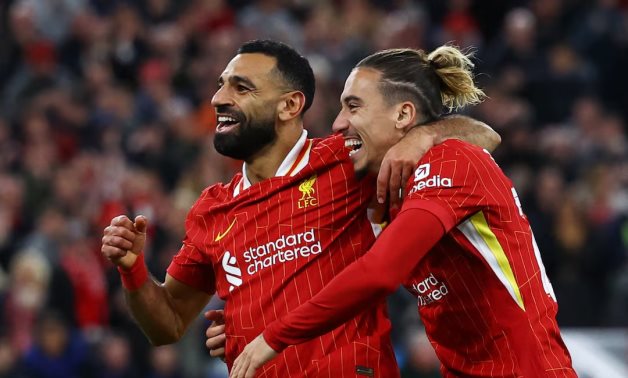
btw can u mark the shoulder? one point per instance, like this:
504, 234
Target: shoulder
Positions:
332, 146
216, 194
452, 164
458, 153
456, 148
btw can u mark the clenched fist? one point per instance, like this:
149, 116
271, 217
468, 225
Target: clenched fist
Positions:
123, 240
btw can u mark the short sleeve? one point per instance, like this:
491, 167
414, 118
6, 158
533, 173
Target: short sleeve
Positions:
191, 265
446, 182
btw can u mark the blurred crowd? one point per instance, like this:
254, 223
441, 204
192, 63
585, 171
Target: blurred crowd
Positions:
104, 110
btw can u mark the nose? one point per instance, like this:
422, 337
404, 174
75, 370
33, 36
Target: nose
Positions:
341, 123
221, 97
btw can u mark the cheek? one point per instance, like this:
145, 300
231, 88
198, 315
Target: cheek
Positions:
376, 129
261, 111
382, 138
362, 122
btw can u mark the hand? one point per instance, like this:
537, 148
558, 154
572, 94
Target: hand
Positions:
254, 355
123, 236
400, 161
216, 333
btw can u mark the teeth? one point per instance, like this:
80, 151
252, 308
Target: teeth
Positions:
226, 119
352, 143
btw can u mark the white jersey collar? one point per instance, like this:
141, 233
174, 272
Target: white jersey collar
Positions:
297, 158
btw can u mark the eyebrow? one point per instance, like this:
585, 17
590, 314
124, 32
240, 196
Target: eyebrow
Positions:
350, 98
237, 79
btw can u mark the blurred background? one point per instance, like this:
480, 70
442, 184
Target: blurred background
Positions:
104, 109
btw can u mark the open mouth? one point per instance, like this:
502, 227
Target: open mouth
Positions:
225, 123
353, 144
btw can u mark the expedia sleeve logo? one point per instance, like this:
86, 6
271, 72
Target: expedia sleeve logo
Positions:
307, 193
421, 172
423, 179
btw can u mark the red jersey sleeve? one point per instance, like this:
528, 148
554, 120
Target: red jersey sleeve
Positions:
191, 265
447, 184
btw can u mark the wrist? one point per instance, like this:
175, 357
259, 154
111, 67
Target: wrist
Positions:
135, 275
273, 342
127, 261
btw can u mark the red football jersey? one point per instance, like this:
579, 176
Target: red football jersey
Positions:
483, 295
268, 247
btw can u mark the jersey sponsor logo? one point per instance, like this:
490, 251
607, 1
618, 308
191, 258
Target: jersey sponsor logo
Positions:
307, 190
285, 248
430, 290
232, 272
432, 182
422, 172
223, 234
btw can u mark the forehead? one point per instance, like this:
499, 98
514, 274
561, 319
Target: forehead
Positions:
254, 66
363, 83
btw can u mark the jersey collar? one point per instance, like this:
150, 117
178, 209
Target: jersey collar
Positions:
295, 161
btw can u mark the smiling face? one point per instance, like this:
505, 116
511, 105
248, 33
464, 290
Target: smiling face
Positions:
246, 105
368, 123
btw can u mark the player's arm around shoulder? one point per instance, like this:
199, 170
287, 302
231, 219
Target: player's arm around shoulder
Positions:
465, 128
401, 159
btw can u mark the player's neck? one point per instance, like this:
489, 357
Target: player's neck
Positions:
266, 162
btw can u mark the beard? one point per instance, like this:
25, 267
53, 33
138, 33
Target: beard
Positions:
248, 138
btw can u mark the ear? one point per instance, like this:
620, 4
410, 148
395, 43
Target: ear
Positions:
290, 106
406, 115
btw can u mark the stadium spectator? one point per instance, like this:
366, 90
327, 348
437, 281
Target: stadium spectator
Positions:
58, 351
164, 363
10, 366
117, 361
29, 276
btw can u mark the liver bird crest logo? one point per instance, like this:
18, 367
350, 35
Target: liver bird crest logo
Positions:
307, 190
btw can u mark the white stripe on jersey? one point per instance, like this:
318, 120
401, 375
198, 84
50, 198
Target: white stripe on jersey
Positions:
477, 231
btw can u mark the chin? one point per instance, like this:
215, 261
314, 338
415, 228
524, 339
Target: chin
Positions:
360, 168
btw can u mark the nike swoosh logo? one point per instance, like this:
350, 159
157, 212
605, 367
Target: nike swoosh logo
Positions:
222, 235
